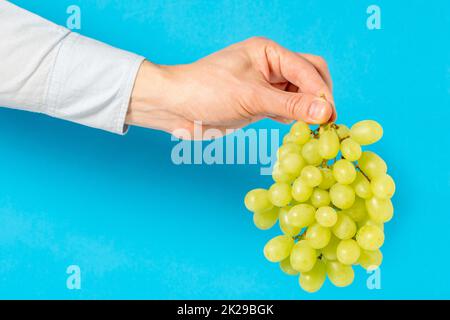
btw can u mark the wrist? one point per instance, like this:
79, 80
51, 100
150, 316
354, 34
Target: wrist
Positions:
148, 98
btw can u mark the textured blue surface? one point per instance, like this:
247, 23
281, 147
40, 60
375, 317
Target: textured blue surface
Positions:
141, 227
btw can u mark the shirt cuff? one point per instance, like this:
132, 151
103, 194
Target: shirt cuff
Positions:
91, 83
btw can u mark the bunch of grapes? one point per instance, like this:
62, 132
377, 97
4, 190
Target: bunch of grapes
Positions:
331, 200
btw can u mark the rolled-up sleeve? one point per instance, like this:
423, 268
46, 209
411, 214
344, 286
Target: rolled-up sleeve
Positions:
49, 69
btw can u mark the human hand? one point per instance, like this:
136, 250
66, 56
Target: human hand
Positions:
232, 88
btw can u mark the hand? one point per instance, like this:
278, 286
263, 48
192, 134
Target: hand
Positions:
232, 88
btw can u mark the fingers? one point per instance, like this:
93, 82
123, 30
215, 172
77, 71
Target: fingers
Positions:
302, 73
298, 71
295, 106
281, 119
321, 66
306, 72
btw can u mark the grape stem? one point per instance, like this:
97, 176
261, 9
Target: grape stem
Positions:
365, 175
335, 208
324, 163
298, 237
315, 133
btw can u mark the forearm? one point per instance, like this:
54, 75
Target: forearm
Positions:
46, 68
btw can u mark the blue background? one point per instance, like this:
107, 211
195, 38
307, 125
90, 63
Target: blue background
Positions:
141, 227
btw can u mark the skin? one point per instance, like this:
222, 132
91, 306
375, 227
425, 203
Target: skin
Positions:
241, 84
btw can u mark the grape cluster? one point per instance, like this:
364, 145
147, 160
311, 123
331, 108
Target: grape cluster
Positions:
331, 200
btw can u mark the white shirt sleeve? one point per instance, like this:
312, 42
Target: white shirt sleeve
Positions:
46, 68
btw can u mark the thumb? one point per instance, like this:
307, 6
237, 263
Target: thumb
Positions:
298, 106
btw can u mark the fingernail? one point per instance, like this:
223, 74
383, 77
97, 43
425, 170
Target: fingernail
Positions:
318, 110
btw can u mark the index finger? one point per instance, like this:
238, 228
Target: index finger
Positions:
300, 72
321, 66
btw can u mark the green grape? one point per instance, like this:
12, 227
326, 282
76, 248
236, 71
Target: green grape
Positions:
313, 280
343, 131
348, 251
383, 186
350, 149
370, 237
310, 152
344, 171
301, 131
311, 175
370, 259
340, 208
372, 165
286, 267
369, 222
380, 210
329, 252
358, 210
287, 148
326, 216
303, 256
301, 191
280, 194
278, 248
362, 186
278, 175
327, 179
322, 129
301, 215
320, 198
293, 138
366, 132
345, 227
266, 219
288, 138
292, 163
340, 275
257, 200
328, 144
318, 236
285, 226
342, 196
